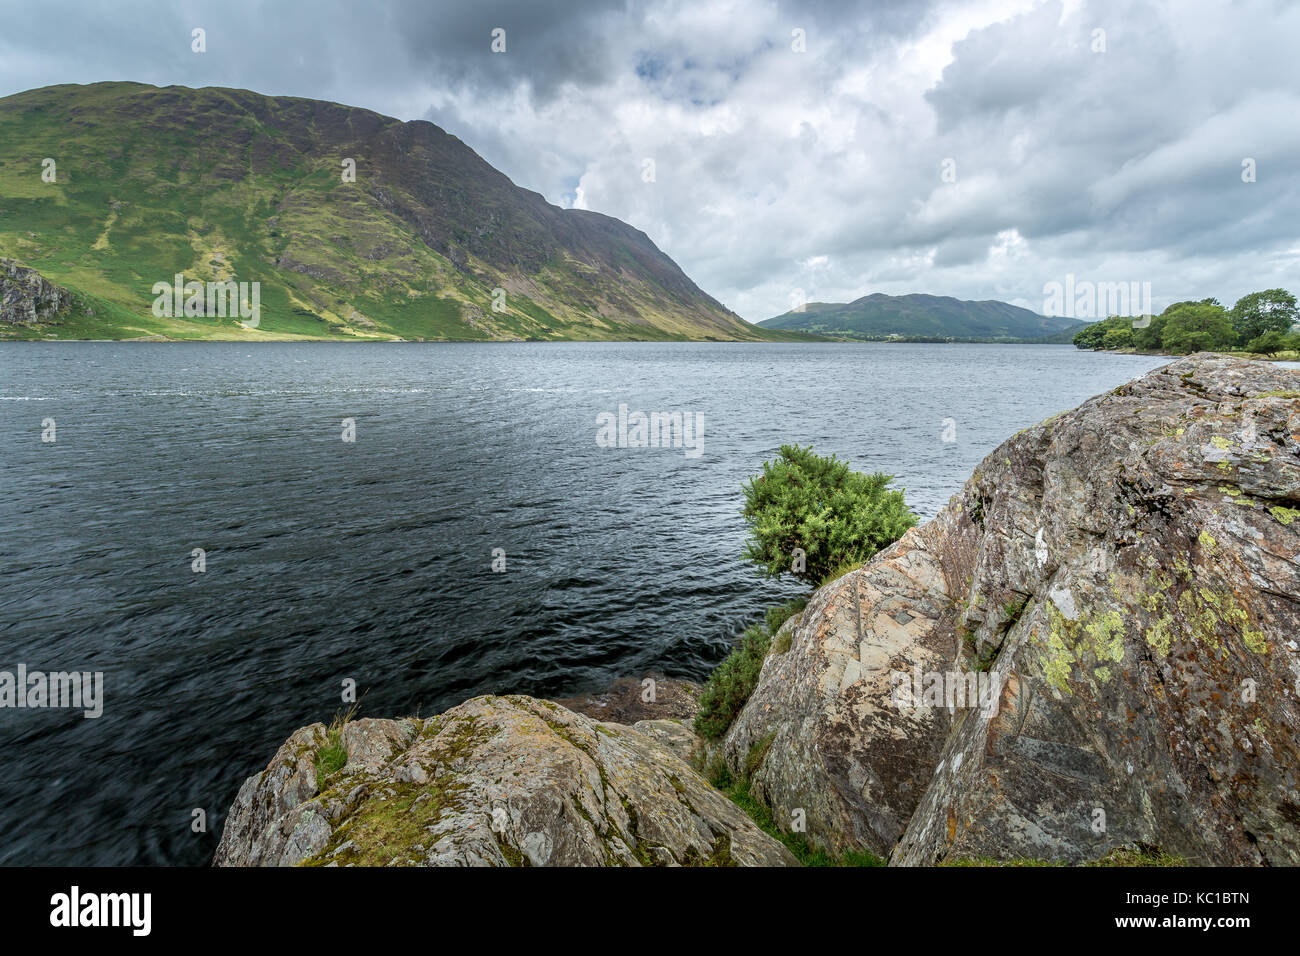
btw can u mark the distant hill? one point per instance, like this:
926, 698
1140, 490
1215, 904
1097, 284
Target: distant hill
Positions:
919, 317
221, 184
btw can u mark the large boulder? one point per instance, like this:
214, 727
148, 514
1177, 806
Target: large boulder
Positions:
496, 781
1123, 580
820, 739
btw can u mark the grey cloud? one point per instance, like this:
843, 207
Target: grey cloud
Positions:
821, 171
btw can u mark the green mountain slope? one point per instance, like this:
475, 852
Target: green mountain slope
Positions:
220, 184
923, 317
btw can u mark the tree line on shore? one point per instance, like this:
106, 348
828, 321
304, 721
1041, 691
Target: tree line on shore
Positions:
1261, 322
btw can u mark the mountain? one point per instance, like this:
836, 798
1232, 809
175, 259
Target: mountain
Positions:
923, 317
219, 184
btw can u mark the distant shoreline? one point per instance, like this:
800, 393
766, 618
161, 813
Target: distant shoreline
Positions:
152, 340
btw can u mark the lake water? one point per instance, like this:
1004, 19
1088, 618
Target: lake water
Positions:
371, 560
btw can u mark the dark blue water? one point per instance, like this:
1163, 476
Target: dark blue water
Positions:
372, 560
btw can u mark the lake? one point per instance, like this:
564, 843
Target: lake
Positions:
371, 559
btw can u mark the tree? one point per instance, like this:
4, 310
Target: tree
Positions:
1148, 338
1270, 343
1197, 327
1273, 310
1117, 339
809, 515
1093, 336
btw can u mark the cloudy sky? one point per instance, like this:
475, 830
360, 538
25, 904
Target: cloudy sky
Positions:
976, 148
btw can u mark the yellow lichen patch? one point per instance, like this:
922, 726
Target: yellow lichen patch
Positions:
1207, 540
1157, 584
1106, 632
1068, 642
1056, 667
1206, 609
1254, 639
1284, 515
1160, 635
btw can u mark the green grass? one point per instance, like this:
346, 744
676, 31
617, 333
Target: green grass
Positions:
1139, 855
332, 756
797, 843
989, 861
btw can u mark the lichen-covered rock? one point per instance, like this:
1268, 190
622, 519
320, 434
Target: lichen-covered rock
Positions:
27, 297
496, 781
674, 734
1123, 578
820, 738
1136, 575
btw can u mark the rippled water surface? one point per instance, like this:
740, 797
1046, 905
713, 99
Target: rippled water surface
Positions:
372, 560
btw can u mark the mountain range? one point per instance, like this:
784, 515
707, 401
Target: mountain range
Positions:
353, 224
919, 317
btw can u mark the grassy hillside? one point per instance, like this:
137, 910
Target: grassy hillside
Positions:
915, 317
226, 184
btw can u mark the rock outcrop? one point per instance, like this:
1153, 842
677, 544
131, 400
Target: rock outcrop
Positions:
496, 781
837, 748
1123, 580
27, 297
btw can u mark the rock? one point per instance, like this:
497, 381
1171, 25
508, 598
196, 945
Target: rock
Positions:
1124, 577
624, 701
496, 781
820, 733
27, 297
675, 735
1149, 682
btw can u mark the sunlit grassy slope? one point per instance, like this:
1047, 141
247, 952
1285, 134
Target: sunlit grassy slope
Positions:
217, 184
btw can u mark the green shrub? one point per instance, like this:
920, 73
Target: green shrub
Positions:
1149, 338
818, 504
796, 843
777, 616
1121, 338
729, 686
